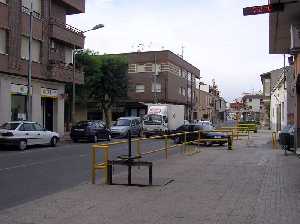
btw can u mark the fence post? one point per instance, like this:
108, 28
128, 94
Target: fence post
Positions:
229, 143
199, 137
138, 147
184, 143
166, 146
93, 164
248, 133
106, 158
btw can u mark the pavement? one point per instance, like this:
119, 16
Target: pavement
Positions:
250, 184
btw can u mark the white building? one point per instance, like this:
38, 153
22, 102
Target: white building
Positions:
282, 104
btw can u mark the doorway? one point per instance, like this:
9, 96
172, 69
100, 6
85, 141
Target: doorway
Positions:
47, 113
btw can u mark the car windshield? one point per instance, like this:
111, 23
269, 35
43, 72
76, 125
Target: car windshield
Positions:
82, 124
10, 126
207, 127
153, 119
123, 122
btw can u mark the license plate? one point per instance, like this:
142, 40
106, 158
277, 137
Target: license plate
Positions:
217, 136
78, 129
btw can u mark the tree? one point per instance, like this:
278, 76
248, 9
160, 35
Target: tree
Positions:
105, 80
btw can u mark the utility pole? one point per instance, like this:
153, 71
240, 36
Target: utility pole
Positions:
29, 92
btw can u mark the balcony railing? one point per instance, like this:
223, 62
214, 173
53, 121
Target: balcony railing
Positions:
64, 73
66, 33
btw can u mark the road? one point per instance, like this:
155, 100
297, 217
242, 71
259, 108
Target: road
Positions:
40, 171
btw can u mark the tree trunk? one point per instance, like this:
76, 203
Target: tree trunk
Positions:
107, 117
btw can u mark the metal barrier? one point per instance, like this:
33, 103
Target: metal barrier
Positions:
167, 147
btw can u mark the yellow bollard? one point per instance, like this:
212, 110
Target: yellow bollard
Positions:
199, 137
106, 158
248, 133
184, 143
166, 146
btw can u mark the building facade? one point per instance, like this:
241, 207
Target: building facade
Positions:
155, 77
252, 107
52, 45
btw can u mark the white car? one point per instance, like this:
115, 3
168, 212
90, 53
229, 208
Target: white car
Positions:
25, 133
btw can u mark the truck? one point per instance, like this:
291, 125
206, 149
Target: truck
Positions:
162, 119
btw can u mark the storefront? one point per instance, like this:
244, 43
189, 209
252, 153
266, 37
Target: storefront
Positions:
47, 102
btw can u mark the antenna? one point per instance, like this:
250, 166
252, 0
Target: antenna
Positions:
182, 51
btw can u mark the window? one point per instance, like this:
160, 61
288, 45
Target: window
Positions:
156, 87
189, 92
250, 107
38, 127
36, 49
183, 91
3, 41
27, 127
36, 6
139, 88
18, 107
68, 55
179, 90
250, 100
132, 68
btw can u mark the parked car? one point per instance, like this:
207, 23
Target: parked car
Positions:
204, 134
124, 124
25, 133
91, 131
286, 137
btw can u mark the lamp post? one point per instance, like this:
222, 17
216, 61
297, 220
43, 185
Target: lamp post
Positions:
29, 81
99, 26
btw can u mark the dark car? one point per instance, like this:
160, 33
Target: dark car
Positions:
286, 137
91, 131
205, 133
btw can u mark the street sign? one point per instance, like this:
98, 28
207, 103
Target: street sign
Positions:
255, 10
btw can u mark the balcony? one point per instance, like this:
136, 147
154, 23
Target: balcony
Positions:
74, 6
63, 73
66, 33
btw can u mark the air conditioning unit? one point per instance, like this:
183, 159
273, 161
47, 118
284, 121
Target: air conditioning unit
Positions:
295, 37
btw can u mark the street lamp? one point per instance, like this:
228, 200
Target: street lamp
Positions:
98, 26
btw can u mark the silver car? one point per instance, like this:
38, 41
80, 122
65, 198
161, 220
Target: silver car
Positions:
124, 124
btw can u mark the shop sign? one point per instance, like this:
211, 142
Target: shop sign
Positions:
52, 93
18, 89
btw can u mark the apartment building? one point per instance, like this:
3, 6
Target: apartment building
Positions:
153, 77
252, 107
52, 45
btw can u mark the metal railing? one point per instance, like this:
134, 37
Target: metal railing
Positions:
166, 148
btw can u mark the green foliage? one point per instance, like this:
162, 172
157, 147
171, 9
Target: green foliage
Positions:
106, 80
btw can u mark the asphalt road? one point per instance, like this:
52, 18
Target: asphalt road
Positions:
40, 171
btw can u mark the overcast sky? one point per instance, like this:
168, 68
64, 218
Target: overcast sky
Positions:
217, 38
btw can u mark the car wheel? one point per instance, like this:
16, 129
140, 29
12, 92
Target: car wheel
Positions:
221, 143
22, 144
54, 141
108, 137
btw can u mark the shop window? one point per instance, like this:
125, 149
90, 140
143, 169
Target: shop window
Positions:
18, 107
3, 41
36, 49
139, 88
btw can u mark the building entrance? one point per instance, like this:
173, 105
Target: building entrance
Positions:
47, 113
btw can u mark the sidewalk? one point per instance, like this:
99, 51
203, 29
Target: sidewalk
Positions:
251, 184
